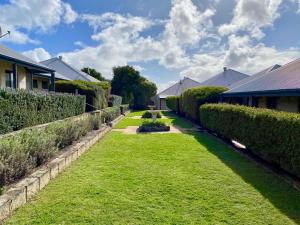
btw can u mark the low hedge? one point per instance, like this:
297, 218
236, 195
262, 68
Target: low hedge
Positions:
173, 103
24, 108
27, 149
114, 100
193, 98
124, 109
147, 115
110, 113
96, 95
273, 135
150, 126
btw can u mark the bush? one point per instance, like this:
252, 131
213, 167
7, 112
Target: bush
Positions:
23, 151
173, 103
150, 126
148, 114
193, 98
273, 135
111, 113
24, 108
124, 109
96, 95
114, 100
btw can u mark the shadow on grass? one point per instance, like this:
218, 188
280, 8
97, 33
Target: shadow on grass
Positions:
281, 194
178, 121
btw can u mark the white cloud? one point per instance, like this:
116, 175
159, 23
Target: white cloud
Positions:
37, 54
23, 16
252, 16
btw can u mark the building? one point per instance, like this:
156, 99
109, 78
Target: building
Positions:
66, 71
18, 71
175, 90
277, 87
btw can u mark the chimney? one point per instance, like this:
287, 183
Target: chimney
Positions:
225, 69
60, 57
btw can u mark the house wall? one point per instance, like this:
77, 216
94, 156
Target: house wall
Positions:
262, 102
163, 104
22, 75
39, 81
289, 104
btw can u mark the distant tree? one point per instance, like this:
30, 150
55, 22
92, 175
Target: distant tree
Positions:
134, 89
94, 73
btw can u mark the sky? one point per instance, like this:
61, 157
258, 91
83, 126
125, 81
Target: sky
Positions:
165, 40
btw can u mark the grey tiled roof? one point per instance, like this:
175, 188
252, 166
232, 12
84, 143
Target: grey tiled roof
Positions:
226, 78
9, 54
286, 77
178, 88
67, 71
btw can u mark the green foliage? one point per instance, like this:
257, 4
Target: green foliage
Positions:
110, 113
148, 114
273, 135
193, 98
134, 89
114, 100
94, 73
173, 103
24, 108
150, 126
124, 109
32, 147
96, 93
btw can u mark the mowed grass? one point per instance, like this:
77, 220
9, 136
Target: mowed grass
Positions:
163, 179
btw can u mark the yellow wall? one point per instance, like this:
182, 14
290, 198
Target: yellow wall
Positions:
22, 75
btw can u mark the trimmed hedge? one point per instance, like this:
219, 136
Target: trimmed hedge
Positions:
273, 135
148, 115
111, 113
124, 109
173, 103
27, 149
24, 108
193, 98
149, 126
114, 100
96, 95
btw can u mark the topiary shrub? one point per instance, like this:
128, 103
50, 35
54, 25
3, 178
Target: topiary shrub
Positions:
273, 135
173, 103
150, 126
114, 100
147, 115
110, 113
24, 108
193, 98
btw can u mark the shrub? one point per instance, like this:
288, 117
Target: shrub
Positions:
96, 95
193, 98
150, 126
111, 113
24, 108
148, 114
114, 100
273, 135
29, 148
124, 109
173, 103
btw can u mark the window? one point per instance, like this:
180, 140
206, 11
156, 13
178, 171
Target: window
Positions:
35, 84
45, 85
9, 79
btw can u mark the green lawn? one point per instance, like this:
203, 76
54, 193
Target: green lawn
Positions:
163, 179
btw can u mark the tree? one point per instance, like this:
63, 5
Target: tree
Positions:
134, 89
94, 73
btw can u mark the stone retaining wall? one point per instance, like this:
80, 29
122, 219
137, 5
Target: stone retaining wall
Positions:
25, 189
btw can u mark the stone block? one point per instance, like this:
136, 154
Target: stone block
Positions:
32, 186
5, 203
54, 168
43, 175
18, 197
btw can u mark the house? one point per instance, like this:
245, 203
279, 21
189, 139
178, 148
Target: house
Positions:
66, 71
226, 78
19, 71
277, 87
175, 90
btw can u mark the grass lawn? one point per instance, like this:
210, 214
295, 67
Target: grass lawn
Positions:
163, 179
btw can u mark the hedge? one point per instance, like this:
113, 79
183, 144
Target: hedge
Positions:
173, 103
148, 115
193, 98
272, 135
114, 100
27, 149
24, 108
96, 95
111, 113
124, 109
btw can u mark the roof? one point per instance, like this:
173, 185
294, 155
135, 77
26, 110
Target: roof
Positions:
67, 71
12, 56
285, 78
178, 88
226, 78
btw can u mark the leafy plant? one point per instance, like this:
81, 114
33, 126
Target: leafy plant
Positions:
114, 100
148, 115
150, 126
173, 103
110, 113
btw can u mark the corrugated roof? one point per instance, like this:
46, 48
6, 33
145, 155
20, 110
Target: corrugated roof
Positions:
286, 77
67, 70
178, 88
9, 54
226, 78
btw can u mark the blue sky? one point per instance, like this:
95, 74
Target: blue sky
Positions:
164, 39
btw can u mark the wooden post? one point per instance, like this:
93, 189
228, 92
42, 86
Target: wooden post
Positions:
15, 76
52, 81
